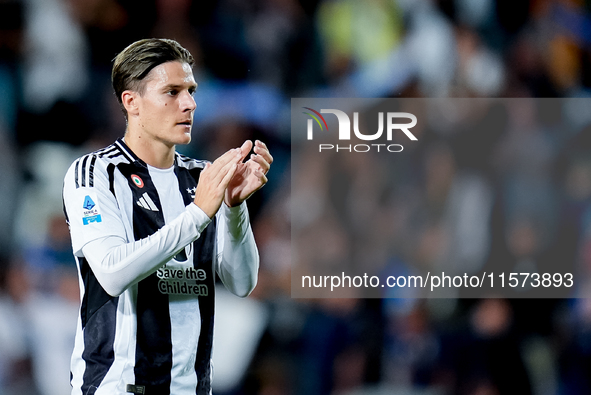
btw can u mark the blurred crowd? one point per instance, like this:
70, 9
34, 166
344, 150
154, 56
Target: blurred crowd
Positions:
515, 195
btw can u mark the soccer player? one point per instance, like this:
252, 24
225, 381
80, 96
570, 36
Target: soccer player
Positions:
150, 229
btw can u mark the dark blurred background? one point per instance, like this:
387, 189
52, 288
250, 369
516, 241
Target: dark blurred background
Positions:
252, 56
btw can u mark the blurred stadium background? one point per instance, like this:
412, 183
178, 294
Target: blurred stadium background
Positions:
252, 57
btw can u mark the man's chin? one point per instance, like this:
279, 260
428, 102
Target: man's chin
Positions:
184, 140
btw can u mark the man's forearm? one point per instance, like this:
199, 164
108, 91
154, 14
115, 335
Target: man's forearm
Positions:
238, 260
118, 264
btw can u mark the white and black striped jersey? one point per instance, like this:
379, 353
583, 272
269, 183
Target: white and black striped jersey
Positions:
147, 258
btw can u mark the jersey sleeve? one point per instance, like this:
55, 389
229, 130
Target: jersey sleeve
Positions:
117, 264
237, 262
90, 207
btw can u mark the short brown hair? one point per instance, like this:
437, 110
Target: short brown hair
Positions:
133, 64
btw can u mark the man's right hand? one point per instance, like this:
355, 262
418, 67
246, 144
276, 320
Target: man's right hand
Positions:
214, 180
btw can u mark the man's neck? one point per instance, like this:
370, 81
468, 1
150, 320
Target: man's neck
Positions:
153, 152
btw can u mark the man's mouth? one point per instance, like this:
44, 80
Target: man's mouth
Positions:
185, 123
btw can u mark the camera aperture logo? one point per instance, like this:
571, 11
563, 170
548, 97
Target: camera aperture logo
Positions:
344, 133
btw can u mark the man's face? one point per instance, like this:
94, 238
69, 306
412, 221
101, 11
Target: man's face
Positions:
165, 110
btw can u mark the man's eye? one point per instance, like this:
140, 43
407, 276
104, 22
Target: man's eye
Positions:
172, 92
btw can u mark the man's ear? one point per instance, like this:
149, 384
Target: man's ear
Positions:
129, 99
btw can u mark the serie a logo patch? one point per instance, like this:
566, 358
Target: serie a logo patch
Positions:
90, 211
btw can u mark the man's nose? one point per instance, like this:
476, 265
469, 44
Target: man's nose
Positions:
187, 102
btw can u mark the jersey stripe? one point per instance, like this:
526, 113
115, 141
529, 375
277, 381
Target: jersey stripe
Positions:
91, 171
121, 145
106, 151
84, 170
98, 314
76, 173
111, 175
189, 163
153, 352
204, 251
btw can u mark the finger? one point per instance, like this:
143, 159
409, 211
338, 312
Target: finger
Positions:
222, 173
259, 175
257, 181
226, 180
245, 148
220, 163
206, 169
260, 145
261, 149
262, 178
262, 162
227, 156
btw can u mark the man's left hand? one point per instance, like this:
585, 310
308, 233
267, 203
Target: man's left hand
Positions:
249, 176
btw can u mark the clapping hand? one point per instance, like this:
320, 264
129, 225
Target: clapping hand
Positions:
249, 176
230, 179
